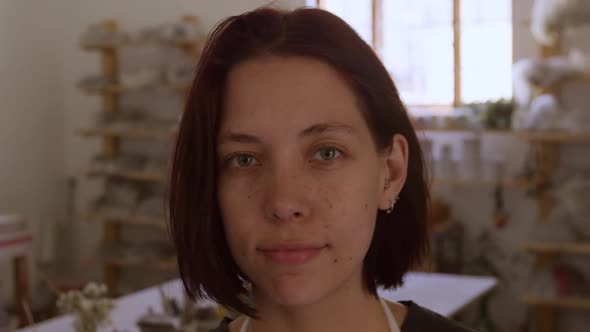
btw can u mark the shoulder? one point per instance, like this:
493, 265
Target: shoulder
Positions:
223, 326
228, 324
422, 319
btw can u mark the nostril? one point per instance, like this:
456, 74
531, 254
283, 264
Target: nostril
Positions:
297, 214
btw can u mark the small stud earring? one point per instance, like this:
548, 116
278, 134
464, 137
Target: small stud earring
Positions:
392, 202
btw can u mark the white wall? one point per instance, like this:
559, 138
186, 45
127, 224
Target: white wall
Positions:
40, 64
31, 116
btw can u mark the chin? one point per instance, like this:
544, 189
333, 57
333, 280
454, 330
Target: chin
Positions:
293, 290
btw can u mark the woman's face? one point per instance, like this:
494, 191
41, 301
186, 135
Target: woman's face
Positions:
300, 178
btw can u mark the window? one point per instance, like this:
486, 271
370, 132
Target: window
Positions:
439, 52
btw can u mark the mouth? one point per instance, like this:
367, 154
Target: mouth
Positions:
291, 253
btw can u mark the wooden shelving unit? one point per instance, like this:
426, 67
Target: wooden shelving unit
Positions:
465, 131
546, 310
118, 89
532, 136
101, 46
557, 303
131, 220
138, 132
572, 248
478, 183
112, 136
145, 176
165, 265
547, 146
557, 137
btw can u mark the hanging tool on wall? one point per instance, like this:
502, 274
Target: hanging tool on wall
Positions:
501, 216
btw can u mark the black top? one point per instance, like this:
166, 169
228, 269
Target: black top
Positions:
419, 319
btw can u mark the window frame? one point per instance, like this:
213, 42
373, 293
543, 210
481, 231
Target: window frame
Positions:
377, 42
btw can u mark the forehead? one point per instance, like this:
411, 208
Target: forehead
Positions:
293, 89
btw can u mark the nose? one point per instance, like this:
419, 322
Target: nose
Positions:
287, 197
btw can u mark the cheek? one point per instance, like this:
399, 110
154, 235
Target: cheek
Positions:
351, 211
236, 205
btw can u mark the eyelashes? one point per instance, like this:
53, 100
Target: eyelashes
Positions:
325, 154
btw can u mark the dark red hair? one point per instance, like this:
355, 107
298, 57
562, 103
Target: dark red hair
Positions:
204, 260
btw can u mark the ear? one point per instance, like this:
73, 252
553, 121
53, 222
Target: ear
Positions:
394, 170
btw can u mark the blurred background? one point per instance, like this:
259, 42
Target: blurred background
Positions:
92, 92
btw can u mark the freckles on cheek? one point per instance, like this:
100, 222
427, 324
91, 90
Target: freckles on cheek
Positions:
329, 203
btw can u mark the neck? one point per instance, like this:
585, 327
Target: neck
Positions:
344, 310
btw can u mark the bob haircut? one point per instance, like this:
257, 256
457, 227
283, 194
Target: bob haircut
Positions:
205, 264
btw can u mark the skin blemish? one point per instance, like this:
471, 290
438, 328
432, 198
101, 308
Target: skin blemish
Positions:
335, 260
366, 205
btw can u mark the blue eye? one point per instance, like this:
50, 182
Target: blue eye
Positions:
242, 160
328, 153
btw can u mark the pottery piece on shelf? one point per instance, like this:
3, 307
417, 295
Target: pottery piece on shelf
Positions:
100, 33
551, 17
140, 78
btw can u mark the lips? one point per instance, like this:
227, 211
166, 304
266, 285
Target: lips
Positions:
291, 254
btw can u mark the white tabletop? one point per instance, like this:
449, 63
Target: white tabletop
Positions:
445, 294
441, 293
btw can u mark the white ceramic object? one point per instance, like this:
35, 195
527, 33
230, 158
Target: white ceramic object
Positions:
573, 197
550, 17
126, 194
531, 74
99, 33
544, 114
471, 158
180, 74
446, 167
494, 169
140, 78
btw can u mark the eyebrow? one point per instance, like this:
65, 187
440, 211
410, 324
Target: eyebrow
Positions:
314, 130
321, 128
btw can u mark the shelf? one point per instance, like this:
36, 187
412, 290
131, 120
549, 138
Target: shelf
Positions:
140, 132
534, 136
555, 137
466, 131
111, 89
584, 79
145, 176
477, 183
572, 248
101, 46
162, 264
135, 220
184, 42
119, 89
562, 303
